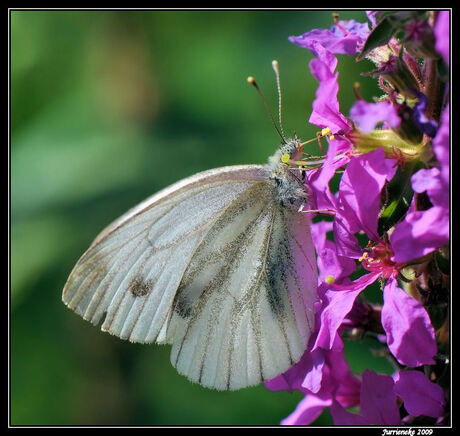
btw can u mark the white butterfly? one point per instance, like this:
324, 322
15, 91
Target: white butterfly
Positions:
221, 265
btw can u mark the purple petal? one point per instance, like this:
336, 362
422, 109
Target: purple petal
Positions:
420, 395
360, 187
378, 399
368, 115
425, 180
430, 181
279, 383
308, 410
292, 379
317, 48
341, 416
344, 229
442, 35
336, 305
441, 145
318, 180
329, 262
314, 377
319, 233
326, 111
410, 335
353, 29
420, 233
347, 38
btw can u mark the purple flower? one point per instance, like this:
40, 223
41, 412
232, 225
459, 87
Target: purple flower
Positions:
369, 158
326, 114
326, 111
357, 205
346, 37
442, 35
367, 115
423, 231
410, 335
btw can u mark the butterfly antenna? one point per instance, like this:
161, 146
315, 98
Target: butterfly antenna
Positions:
253, 82
278, 85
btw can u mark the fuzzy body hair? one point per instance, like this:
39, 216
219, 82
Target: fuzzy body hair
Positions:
289, 188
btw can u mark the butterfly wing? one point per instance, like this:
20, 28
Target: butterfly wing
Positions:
132, 270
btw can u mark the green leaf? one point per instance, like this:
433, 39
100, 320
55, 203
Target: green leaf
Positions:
381, 34
399, 198
442, 261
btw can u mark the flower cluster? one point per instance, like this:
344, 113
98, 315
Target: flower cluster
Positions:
390, 224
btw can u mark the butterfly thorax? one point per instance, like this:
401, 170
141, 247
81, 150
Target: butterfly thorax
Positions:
288, 186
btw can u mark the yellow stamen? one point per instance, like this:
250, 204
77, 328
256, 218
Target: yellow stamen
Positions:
329, 280
332, 137
326, 131
364, 256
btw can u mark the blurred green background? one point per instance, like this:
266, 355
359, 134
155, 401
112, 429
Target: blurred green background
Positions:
108, 107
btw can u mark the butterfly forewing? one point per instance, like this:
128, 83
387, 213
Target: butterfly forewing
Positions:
124, 266
214, 265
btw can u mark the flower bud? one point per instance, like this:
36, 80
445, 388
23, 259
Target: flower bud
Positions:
395, 72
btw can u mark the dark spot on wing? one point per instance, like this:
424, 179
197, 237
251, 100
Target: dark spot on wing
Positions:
182, 307
140, 288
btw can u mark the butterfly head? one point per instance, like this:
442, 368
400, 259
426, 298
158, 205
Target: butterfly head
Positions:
291, 150
289, 187
288, 153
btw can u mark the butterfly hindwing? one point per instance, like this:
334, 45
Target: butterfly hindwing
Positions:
235, 321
